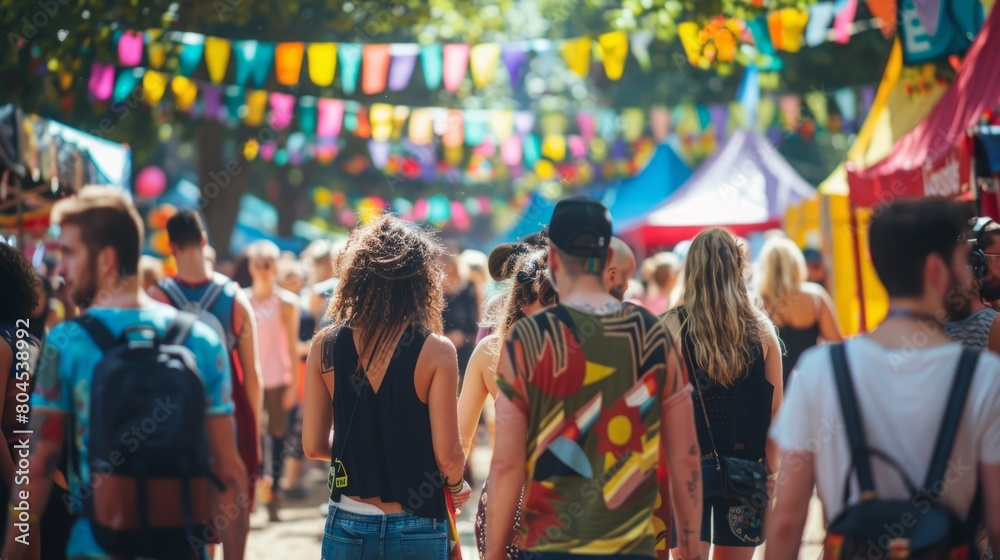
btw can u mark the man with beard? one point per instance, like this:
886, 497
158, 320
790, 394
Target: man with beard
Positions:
619, 269
101, 239
973, 323
902, 373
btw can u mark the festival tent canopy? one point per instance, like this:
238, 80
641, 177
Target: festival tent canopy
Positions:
745, 187
627, 199
935, 157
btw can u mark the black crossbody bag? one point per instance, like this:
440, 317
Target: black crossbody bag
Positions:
734, 478
919, 528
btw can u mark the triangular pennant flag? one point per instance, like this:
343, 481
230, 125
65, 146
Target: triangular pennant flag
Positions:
399, 115
885, 10
786, 27
510, 150
531, 149
577, 53
350, 63
245, 53
156, 49
421, 126
768, 59
154, 84
288, 62
843, 20
128, 78
816, 101
847, 103
211, 100
456, 62
262, 63
380, 117
607, 123
454, 134
374, 69
331, 117
577, 147
820, 16
766, 111
688, 32
404, 60
659, 121
483, 60
585, 124
235, 101
633, 122
524, 122
430, 61
256, 106
640, 41
514, 57
554, 147
282, 107
614, 51
502, 124
192, 47
322, 63
475, 127
185, 92
554, 123
216, 58
130, 47
307, 114
379, 152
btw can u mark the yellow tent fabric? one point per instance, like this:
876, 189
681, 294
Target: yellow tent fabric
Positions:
893, 113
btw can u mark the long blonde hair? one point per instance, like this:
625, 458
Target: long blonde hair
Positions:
722, 323
781, 270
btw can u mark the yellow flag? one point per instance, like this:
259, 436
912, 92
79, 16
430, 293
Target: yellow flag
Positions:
380, 118
633, 121
613, 51
256, 105
688, 32
554, 147
153, 85
322, 63
577, 55
502, 124
483, 61
185, 92
421, 126
217, 58
156, 50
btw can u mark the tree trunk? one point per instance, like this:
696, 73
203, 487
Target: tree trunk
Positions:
222, 182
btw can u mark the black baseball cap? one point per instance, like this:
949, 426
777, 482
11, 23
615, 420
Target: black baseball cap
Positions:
580, 227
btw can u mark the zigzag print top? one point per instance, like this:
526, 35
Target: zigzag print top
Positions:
591, 387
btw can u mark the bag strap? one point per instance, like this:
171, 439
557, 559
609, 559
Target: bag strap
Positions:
952, 418
173, 292
693, 377
852, 421
97, 331
179, 329
211, 295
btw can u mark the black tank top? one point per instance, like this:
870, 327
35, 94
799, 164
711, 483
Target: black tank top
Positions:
389, 452
740, 414
796, 341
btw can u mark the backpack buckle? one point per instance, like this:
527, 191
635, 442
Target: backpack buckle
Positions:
899, 549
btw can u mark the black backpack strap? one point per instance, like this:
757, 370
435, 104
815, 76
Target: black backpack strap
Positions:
952, 418
172, 290
97, 331
179, 329
852, 421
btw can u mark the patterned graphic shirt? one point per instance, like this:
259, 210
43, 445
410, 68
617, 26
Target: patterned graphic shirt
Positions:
591, 388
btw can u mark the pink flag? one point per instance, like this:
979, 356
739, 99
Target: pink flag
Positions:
843, 20
456, 62
331, 116
102, 80
374, 69
510, 150
585, 122
282, 106
130, 47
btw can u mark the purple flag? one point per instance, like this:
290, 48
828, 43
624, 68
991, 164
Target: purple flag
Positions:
211, 97
404, 60
524, 122
514, 56
867, 98
720, 117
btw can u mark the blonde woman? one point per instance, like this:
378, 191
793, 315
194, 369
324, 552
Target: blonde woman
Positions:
733, 354
802, 310
662, 273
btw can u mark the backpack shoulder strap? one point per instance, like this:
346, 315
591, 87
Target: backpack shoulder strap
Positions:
952, 418
179, 329
212, 294
852, 421
173, 292
97, 331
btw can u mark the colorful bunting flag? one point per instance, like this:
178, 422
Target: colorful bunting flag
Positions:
786, 27
456, 61
322, 63
216, 58
843, 20
577, 53
185, 92
156, 49
245, 53
374, 69
282, 108
640, 41
514, 56
430, 61
381, 121
154, 84
256, 106
659, 121
263, 58
614, 51
820, 16
404, 60
128, 78
350, 64
483, 60
130, 47
288, 62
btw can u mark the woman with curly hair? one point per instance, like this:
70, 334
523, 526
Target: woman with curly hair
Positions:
385, 379
530, 291
734, 356
20, 289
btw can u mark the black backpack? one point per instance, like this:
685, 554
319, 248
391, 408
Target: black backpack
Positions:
918, 528
150, 476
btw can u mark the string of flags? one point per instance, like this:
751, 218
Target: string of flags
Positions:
376, 68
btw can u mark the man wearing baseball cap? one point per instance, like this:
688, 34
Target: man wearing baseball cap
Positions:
590, 390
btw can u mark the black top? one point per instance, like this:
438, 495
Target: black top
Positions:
461, 313
740, 414
796, 342
383, 439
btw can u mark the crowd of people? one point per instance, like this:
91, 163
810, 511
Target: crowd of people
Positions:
685, 405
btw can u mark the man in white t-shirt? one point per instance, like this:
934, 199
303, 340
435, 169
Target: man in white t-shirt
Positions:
902, 373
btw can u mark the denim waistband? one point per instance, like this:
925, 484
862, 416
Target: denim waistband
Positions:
388, 520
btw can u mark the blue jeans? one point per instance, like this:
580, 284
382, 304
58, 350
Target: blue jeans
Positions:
352, 536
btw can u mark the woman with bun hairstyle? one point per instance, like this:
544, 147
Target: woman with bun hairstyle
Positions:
530, 291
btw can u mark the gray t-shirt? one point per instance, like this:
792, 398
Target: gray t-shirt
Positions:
974, 330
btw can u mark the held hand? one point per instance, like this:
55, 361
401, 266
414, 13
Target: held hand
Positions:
463, 496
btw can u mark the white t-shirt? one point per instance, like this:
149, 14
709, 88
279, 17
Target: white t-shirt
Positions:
902, 395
